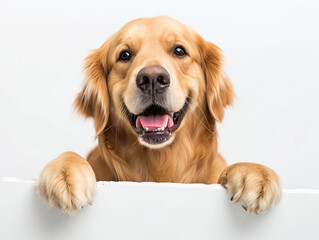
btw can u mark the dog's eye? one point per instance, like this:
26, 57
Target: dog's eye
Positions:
125, 56
179, 51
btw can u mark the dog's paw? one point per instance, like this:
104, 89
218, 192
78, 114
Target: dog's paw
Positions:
256, 187
67, 182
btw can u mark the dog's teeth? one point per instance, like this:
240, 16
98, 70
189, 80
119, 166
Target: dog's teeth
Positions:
166, 123
155, 129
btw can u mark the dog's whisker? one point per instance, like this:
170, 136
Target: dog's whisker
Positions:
107, 129
199, 107
117, 121
193, 108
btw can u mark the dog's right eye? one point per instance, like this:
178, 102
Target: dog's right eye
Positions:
125, 56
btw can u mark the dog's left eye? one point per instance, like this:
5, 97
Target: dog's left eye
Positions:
179, 51
125, 56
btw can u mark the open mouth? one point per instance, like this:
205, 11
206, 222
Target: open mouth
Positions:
155, 124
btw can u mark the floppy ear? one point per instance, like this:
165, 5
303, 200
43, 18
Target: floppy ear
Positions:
219, 90
93, 100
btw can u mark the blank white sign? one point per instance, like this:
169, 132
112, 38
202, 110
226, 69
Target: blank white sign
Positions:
152, 211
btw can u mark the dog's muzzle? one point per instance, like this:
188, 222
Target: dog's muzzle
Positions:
155, 124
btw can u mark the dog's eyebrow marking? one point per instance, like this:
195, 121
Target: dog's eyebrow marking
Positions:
128, 43
172, 40
123, 40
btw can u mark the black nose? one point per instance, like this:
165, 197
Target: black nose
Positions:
152, 80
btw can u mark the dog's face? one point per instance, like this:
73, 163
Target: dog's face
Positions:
152, 75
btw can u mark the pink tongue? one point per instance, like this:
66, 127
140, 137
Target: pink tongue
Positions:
154, 121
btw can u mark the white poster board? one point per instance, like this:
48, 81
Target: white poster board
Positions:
126, 210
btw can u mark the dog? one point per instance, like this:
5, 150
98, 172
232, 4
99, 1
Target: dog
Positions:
155, 90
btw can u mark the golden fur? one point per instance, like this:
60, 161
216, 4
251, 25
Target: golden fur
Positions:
68, 182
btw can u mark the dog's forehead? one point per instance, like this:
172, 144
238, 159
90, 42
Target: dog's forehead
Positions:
155, 28
154, 24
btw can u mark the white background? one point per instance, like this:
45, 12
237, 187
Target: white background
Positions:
272, 55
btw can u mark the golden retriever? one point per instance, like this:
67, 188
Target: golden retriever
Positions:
155, 90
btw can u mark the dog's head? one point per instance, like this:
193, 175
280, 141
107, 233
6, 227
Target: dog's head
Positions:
151, 76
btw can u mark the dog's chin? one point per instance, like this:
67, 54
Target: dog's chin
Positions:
156, 126
157, 145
